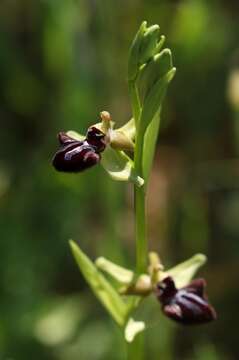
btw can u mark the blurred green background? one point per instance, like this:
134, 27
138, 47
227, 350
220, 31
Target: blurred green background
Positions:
61, 63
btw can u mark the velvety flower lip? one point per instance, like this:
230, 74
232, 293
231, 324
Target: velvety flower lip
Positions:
74, 155
187, 305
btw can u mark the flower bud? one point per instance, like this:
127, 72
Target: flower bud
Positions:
133, 64
155, 69
187, 305
148, 44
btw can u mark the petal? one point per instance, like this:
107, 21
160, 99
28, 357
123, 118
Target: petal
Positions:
65, 139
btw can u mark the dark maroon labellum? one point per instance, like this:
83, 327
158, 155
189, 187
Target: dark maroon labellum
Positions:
96, 138
187, 305
74, 155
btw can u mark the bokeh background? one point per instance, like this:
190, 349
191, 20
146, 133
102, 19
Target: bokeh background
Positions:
61, 63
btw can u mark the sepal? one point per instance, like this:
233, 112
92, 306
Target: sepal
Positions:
185, 271
119, 166
75, 135
129, 129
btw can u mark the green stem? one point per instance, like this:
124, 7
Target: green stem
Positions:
140, 229
135, 350
139, 192
139, 203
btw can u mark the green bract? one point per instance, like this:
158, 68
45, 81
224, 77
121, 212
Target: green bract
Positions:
155, 69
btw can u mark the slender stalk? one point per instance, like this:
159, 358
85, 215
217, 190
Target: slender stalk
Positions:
139, 193
140, 228
136, 349
139, 203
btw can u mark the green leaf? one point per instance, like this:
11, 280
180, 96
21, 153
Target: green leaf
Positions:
150, 139
132, 329
119, 166
154, 98
103, 290
122, 275
184, 272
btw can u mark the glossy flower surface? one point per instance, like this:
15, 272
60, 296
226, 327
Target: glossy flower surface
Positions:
188, 305
75, 155
96, 138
